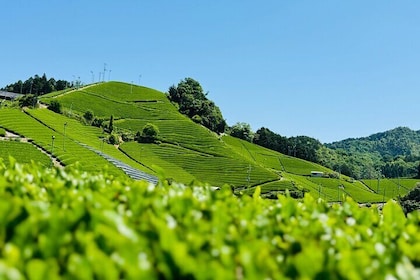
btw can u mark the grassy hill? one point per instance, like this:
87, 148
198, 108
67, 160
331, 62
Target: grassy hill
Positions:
187, 152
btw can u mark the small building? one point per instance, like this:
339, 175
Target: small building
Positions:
9, 95
317, 174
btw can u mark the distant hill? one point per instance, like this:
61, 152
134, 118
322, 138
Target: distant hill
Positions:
400, 141
396, 152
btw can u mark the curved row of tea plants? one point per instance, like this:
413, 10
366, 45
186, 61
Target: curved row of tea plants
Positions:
64, 148
22, 152
68, 224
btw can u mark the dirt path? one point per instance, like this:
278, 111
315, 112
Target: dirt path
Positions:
73, 90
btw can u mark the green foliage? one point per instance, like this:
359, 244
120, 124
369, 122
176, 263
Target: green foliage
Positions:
24, 124
2, 132
55, 106
301, 146
149, 133
394, 153
98, 122
411, 201
242, 131
22, 152
75, 132
187, 165
71, 225
111, 124
37, 85
192, 101
113, 139
89, 116
197, 119
29, 100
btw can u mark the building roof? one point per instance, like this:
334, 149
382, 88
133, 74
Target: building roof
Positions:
9, 95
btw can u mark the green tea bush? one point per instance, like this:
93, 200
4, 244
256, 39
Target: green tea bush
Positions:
57, 223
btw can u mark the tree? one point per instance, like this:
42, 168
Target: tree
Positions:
37, 85
192, 101
111, 124
113, 139
88, 115
55, 106
243, 131
148, 134
28, 100
411, 201
418, 171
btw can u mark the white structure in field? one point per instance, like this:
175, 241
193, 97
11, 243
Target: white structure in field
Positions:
317, 174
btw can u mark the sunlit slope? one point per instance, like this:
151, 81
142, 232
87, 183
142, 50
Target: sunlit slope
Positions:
272, 159
295, 174
80, 133
22, 152
187, 151
67, 150
391, 188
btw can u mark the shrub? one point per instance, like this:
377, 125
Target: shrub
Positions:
66, 224
113, 139
411, 201
126, 136
98, 122
2, 132
88, 115
197, 119
149, 134
29, 100
55, 106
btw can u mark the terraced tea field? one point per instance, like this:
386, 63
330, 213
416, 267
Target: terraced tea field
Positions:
52, 141
22, 152
391, 188
187, 152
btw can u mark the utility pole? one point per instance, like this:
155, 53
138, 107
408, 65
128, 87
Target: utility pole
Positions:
93, 77
139, 79
104, 72
109, 75
248, 179
64, 138
52, 149
383, 199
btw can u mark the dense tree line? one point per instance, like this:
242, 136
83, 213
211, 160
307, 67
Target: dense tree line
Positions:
37, 85
303, 147
192, 101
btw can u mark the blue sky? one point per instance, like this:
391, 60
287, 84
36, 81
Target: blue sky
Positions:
326, 69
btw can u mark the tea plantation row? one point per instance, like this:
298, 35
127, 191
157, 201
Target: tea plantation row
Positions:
67, 224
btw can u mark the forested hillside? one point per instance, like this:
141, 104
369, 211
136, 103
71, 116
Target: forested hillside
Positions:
395, 153
39, 85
